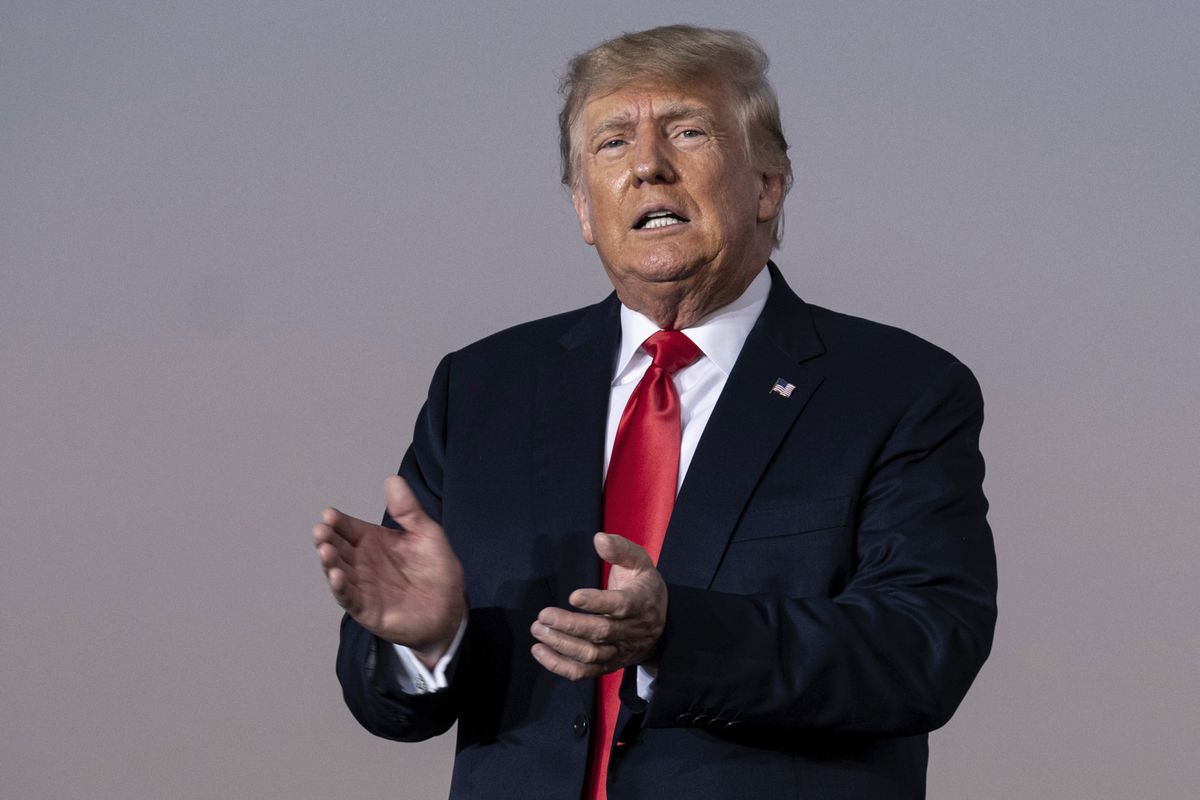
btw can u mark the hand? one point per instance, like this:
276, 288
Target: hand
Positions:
621, 625
404, 586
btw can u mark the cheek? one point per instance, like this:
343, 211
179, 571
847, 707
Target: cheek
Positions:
607, 217
740, 202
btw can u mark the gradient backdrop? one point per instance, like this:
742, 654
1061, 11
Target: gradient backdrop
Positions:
235, 237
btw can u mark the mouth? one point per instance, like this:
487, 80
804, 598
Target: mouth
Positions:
659, 218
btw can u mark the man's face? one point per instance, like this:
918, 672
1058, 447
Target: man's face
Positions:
667, 195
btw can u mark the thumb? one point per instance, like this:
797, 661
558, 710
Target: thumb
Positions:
403, 506
620, 552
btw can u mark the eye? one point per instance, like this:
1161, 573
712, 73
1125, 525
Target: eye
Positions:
611, 144
690, 134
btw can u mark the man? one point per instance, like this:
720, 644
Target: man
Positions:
816, 598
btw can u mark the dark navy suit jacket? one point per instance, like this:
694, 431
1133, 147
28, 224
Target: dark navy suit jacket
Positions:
830, 570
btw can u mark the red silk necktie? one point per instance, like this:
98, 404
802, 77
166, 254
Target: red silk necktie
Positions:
639, 494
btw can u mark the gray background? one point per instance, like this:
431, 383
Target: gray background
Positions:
237, 236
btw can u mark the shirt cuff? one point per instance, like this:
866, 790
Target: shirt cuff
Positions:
645, 683
413, 677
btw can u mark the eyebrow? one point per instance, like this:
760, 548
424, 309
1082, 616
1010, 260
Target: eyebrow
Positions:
670, 113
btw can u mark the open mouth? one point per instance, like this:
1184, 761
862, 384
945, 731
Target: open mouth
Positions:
659, 219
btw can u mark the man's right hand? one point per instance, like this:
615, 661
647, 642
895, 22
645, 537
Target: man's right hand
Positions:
405, 586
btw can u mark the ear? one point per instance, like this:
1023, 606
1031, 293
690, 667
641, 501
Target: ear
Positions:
584, 212
770, 197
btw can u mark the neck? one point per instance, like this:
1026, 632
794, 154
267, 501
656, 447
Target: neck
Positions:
676, 305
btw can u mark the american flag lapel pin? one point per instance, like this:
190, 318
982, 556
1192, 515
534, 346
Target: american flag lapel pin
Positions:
783, 388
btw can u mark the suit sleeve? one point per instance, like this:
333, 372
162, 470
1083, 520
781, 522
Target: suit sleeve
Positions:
896, 649
365, 663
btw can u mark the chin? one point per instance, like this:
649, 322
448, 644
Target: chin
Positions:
665, 267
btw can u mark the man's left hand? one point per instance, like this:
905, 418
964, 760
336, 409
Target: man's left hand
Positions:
615, 627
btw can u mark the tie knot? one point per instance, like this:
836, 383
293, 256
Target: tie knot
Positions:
671, 350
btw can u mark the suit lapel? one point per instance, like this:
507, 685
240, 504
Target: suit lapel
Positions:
571, 411
746, 428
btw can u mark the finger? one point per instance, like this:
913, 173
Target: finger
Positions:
561, 665
572, 647
331, 559
620, 552
591, 627
344, 592
352, 529
323, 534
611, 602
403, 506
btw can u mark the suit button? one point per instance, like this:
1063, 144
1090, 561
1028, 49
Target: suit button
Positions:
732, 725
717, 723
700, 720
684, 719
580, 726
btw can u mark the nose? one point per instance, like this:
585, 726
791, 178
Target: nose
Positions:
651, 161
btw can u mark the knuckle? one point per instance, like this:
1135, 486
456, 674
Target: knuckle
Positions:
608, 656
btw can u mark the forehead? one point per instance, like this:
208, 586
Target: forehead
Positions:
631, 102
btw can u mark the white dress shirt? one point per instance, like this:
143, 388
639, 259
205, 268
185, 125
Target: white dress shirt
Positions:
720, 336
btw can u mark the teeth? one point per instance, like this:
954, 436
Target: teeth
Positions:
662, 222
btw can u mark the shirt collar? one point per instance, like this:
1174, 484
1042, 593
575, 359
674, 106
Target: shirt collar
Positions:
719, 334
